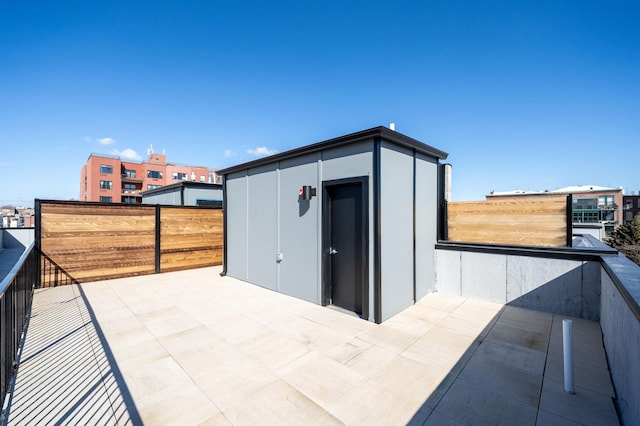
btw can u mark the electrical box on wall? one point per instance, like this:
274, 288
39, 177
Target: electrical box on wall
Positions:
307, 192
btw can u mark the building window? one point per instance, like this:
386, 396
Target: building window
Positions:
179, 176
130, 173
106, 199
203, 178
605, 201
105, 169
586, 216
154, 174
129, 200
153, 187
585, 203
106, 184
129, 187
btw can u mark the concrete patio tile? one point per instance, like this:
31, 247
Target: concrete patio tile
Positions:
345, 352
469, 327
372, 405
278, 403
237, 329
424, 379
501, 378
585, 407
325, 340
348, 325
192, 339
321, 379
420, 416
548, 419
242, 354
409, 324
139, 353
168, 321
272, 349
441, 302
424, 312
296, 328
389, 338
370, 360
477, 310
439, 346
176, 405
232, 383
438, 418
592, 377
514, 335
217, 420
534, 321
513, 355
473, 404
201, 361
145, 378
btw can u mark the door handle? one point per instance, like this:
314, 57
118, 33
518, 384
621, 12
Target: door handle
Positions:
332, 251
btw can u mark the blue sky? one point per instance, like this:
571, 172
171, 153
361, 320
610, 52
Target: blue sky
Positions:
523, 95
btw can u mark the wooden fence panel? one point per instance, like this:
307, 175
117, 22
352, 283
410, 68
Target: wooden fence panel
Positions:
527, 222
190, 238
92, 241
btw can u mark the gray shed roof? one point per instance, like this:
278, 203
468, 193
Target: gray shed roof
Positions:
376, 132
181, 184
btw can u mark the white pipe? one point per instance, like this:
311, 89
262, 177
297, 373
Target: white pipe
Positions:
567, 346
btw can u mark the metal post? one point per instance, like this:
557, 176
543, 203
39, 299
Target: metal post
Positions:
567, 349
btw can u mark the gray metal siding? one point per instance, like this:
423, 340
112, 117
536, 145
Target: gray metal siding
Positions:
168, 198
261, 226
352, 161
236, 222
426, 223
299, 237
396, 210
192, 195
348, 161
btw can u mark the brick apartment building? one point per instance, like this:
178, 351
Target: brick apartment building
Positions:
631, 207
108, 179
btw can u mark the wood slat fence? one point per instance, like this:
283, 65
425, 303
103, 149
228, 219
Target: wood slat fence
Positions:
94, 241
544, 222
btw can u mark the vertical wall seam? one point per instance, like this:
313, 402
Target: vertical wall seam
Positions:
278, 248
414, 227
319, 219
246, 221
377, 293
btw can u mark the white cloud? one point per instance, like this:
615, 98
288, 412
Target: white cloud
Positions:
261, 151
105, 141
229, 153
127, 154
87, 139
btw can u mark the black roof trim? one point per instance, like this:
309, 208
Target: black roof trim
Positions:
184, 183
380, 131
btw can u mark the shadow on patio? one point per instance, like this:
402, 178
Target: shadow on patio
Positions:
67, 373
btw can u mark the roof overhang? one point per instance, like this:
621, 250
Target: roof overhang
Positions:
381, 132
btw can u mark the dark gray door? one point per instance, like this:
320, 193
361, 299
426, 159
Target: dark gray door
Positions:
345, 245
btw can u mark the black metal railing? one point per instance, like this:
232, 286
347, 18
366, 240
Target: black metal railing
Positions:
52, 274
16, 295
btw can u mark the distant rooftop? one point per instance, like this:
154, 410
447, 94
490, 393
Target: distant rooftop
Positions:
566, 190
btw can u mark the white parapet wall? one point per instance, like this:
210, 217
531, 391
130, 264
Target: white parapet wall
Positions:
620, 323
568, 285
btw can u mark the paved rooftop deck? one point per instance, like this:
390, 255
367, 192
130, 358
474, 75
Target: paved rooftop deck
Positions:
194, 348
